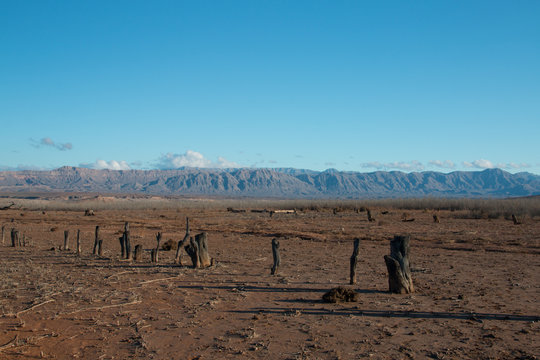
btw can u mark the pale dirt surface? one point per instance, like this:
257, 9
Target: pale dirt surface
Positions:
477, 288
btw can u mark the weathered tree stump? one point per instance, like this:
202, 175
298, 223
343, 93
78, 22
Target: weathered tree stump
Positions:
397, 263
156, 250
14, 237
436, 219
121, 239
198, 251
137, 253
3, 234
178, 257
66, 240
277, 258
369, 217
96, 241
153, 256
354, 261
78, 242
516, 220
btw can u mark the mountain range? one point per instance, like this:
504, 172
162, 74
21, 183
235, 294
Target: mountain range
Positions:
276, 183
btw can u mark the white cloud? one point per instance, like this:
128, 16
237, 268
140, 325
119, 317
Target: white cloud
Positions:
399, 165
192, 159
47, 141
479, 164
444, 164
111, 165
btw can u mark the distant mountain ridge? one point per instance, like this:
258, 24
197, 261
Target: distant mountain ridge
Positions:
283, 183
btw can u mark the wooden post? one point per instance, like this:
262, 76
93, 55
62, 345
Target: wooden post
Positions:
397, 263
354, 261
369, 217
96, 241
78, 242
137, 253
158, 240
3, 234
66, 239
14, 237
277, 258
127, 241
153, 256
122, 246
100, 247
178, 257
436, 219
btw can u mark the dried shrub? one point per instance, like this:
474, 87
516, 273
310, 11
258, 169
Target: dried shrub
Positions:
340, 294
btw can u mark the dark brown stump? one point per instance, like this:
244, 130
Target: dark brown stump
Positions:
3, 234
127, 241
100, 247
369, 217
153, 256
397, 263
181, 243
78, 242
277, 258
516, 220
14, 237
96, 241
158, 240
436, 219
121, 239
66, 239
137, 253
354, 261
198, 251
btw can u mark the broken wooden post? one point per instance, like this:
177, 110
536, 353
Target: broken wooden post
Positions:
277, 258
100, 247
127, 241
96, 241
354, 261
158, 240
14, 237
66, 240
3, 234
397, 263
436, 219
122, 246
137, 253
78, 242
178, 257
153, 258
198, 251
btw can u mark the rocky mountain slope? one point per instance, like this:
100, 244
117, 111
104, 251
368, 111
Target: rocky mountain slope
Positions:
286, 183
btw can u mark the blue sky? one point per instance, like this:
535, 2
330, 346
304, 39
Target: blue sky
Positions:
351, 85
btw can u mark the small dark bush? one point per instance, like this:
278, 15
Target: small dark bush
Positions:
340, 294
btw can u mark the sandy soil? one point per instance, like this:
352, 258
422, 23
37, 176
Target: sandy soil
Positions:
477, 288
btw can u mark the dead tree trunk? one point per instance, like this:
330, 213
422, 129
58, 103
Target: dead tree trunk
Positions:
516, 220
153, 256
121, 239
397, 263
137, 253
14, 237
3, 234
277, 258
178, 257
354, 261
66, 240
198, 251
158, 240
436, 219
96, 241
127, 241
369, 217
100, 247
78, 242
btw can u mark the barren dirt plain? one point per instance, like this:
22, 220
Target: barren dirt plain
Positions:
477, 285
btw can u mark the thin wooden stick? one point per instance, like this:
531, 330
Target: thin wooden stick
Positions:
33, 307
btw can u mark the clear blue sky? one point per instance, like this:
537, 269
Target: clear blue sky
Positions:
351, 85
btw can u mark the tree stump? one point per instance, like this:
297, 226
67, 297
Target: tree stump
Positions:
66, 240
3, 234
14, 237
354, 261
516, 220
121, 239
137, 253
397, 263
158, 240
370, 218
436, 219
78, 242
96, 241
153, 256
100, 247
178, 257
198, 251
277, 258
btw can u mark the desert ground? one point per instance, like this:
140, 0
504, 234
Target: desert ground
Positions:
477, 286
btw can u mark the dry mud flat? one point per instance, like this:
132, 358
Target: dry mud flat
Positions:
477, 288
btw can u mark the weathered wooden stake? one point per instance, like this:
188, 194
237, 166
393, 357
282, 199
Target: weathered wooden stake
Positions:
277, 258
397, 263
178, 257
3, 234
516, 220
100, 247
122, 246
158, 240
153, 256
14, 237
127, 241
78, 242
137, 253
354, 261
96, 240
66, 240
